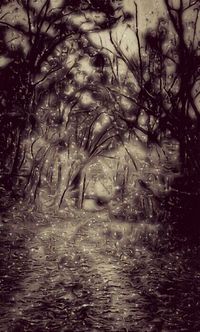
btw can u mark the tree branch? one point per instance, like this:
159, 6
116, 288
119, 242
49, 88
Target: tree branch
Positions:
55, 69
14, 27
139, 46
191, 4
132, 66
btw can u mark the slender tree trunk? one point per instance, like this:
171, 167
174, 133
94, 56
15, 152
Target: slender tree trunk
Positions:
17, 158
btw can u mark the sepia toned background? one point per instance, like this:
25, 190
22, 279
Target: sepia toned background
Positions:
99, 165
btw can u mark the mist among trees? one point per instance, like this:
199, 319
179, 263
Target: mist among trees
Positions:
99, 165
76, 92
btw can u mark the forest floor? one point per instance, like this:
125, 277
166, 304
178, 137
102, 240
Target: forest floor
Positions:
80, 271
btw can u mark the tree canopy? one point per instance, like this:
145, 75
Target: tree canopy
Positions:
85, 76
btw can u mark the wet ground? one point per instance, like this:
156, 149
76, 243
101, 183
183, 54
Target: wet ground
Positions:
71, 273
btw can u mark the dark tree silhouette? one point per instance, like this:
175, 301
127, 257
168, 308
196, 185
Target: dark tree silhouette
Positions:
156, 100
167, 72
30, 35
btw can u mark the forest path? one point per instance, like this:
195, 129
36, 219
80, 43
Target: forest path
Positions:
88, 274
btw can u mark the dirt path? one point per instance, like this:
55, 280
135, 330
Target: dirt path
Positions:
87, 275
78, 271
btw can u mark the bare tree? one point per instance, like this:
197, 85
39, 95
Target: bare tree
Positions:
165, 99
30, 35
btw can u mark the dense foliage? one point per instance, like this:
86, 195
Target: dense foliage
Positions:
68, 101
